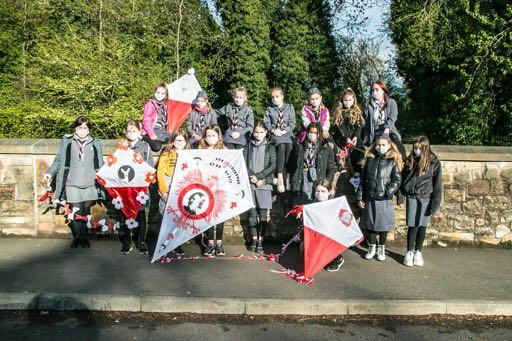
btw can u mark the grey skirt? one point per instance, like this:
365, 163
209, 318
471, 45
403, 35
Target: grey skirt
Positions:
75, 194
378, 215
262, 198
416, 212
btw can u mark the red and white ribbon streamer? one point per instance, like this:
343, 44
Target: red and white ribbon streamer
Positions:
299, 277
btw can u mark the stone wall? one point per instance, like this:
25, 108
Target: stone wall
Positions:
476, 206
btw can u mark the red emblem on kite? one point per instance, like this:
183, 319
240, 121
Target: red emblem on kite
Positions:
345, 217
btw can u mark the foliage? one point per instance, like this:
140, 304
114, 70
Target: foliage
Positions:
455, 57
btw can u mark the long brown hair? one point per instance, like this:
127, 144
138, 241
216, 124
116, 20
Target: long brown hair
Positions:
204, 145
169, 147
392, 153
355, 114
426, 152
384, 88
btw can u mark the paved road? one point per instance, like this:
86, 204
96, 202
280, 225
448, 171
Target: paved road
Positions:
121, 326
37, 265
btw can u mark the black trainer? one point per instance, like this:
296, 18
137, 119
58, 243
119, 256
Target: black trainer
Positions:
335, 265
179, 251
219, 250
75, 243
85, 243
259, 247
126, 248
252, 248
209, 251
142, 248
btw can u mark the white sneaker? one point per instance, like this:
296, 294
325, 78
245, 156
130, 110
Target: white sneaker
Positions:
288, 183
381, 252
408, 258
418, 258
371, 251
280, 188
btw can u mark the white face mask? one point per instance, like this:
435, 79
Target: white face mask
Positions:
417, 151
239, 102
315, 102
159, 97
258, 136
348, 104
133, 136
277, 102
180, 144
201, 104
382, 149
312, 137
81, 133
212, 140
322, 196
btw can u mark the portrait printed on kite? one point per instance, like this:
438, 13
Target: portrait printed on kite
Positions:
345, 217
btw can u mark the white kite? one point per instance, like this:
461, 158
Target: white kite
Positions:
208, 187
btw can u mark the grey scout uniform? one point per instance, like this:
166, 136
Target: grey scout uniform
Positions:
240, 119
285, 121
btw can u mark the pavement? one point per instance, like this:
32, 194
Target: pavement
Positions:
46, 274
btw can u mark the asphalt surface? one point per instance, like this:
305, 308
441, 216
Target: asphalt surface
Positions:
49, 265
122, 326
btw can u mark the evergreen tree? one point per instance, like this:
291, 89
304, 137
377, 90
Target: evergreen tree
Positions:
246, 26
289, 36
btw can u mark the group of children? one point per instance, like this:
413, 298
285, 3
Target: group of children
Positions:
304, 164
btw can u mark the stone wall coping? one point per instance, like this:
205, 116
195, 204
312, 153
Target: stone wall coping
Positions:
444, 152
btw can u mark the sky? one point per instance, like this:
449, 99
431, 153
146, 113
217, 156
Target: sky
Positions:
376, 15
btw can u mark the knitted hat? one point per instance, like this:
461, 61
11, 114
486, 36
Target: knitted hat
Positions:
202, 94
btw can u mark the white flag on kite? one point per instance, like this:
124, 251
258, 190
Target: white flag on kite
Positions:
208, 187
182, 93
126, 177
329, 229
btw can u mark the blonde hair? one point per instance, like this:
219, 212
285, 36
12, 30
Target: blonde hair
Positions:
355, 114
242, 90
204, 145
392, 153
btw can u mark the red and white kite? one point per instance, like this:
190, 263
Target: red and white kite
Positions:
182, 93
208, 188
126, 176
329, 229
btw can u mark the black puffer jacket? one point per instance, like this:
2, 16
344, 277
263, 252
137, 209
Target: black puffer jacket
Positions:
428, 185
380, 178
270, 162
325, 166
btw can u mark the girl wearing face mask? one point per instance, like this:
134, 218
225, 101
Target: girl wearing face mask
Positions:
312, 160
78, 159
212, 139
165, 170
315, 111
322, 193
381, 114
280, 121
348, 128
138, 235
380, 179
260, 158
422, 186
154, 122
240, 119
201, 116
